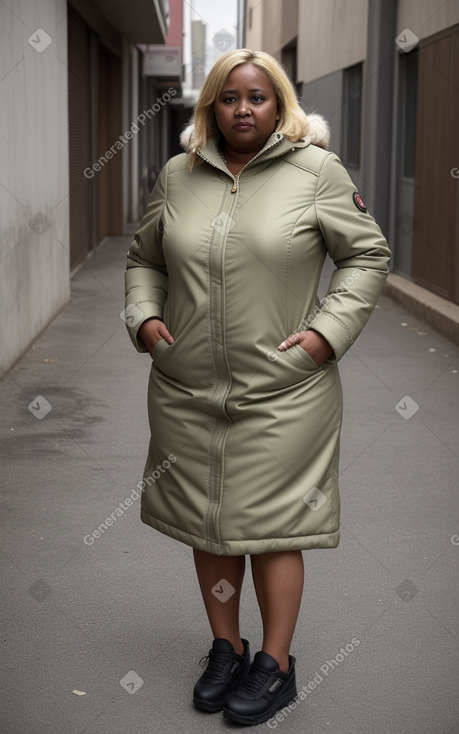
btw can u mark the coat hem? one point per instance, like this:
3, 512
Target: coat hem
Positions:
243, 547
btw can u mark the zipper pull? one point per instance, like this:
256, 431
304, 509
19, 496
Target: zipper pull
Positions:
234, 189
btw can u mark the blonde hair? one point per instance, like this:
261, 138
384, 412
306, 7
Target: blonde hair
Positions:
292, 122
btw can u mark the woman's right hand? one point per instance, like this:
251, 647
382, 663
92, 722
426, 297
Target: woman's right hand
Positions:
152, 331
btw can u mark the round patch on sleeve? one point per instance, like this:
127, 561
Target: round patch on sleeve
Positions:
358, 201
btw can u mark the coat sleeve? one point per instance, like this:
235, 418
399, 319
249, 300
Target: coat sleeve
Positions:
146, 273
359, 251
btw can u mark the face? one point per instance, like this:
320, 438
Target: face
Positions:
246, 109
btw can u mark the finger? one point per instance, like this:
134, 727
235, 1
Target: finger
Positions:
289, 342
165, 334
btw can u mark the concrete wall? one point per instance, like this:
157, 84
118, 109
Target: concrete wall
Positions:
332, 35
274, 24
426, 17
280, 25
254, 33
289, 18
325, 96
34, 205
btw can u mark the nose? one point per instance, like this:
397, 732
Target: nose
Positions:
243, 108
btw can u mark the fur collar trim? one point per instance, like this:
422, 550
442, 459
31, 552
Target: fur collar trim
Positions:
317, 130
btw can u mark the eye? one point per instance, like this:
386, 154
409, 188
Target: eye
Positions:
228, 100
257, 99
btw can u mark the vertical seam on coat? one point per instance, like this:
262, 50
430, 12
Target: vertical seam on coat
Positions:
286, 288
315, 191
161, 219
217, 400
287, 268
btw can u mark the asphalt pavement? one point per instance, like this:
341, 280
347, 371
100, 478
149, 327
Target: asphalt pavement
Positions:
102, 631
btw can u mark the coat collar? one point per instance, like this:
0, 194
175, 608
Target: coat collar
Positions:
276, 146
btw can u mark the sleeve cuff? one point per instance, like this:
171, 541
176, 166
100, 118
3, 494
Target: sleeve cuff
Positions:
135, 315
336, 333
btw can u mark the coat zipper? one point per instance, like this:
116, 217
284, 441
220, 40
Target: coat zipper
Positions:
220, 433
236, 177
217, 442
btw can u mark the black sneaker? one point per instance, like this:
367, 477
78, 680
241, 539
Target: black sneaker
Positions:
225, 670
264, 691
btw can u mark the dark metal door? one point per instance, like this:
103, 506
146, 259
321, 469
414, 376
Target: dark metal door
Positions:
436, 232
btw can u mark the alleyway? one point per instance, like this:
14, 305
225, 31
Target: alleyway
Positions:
119, 618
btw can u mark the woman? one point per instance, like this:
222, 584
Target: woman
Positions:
224, 266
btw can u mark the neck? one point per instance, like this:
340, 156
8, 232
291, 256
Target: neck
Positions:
238, 156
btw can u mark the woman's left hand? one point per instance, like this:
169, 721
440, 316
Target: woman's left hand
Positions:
312, 342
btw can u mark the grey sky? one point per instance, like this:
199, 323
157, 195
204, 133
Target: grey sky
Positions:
216, 15
221, 23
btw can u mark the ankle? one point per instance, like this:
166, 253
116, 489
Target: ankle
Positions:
235, 641
238, 646
284, 665
281, 659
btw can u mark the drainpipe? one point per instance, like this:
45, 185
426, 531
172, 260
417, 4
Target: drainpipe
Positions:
379, 81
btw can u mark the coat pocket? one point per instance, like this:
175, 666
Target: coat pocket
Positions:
298, 351
171, 361
290, 367
159, 349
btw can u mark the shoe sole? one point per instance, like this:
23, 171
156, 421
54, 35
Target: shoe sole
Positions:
252, 721
210, 708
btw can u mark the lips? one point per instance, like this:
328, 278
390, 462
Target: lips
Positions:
243, 126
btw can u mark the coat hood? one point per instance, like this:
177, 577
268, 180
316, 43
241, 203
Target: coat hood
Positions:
317, 130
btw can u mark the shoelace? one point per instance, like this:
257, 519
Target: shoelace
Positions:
217, 664
255, 680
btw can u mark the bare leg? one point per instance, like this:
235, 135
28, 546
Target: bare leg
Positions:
278, 579
223, 615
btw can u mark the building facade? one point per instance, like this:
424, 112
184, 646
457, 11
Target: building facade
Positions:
386, 76
81, 133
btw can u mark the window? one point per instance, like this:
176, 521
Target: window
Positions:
408, 101
352, 115
289, 60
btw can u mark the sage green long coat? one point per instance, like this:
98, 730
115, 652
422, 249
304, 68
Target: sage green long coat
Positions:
244, 445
